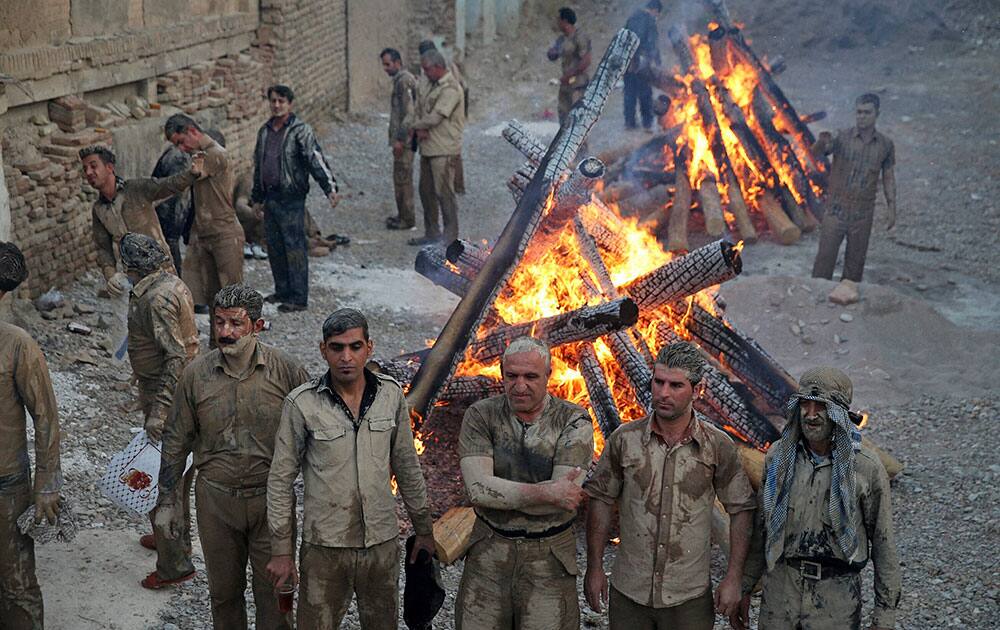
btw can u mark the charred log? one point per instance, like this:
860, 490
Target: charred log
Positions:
680, 209
634, 365
706, 266
711, 207
601, 400
468, 257
524, 141
785, 232
432, 264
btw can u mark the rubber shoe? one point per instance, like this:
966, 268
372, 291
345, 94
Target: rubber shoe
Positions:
148, 541
258, 252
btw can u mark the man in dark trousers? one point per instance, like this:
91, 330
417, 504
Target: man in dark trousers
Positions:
639, 74
286, 154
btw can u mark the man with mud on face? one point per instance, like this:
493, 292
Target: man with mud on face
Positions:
225, 410
665, 471
824, 510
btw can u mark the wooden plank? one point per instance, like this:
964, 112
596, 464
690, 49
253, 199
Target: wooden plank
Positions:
453, 534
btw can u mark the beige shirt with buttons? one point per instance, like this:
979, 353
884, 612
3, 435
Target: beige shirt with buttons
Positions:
346, 467
441, 111
665, 496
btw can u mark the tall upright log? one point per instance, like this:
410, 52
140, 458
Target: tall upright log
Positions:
738, 207
706, 266
601, 400
524, 141
711, 207
680, 209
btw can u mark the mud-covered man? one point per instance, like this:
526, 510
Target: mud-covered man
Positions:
572, 50
162, 339
824, 510
665, 472
349, 433
226, 410
402, 104
861, 157
125, 206
644, 66
24, 385
523, 453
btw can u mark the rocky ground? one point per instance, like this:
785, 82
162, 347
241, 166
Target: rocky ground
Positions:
920, 346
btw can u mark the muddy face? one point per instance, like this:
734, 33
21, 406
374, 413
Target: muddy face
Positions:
525, 379
816, 423
234, 330
672, 393
346, 354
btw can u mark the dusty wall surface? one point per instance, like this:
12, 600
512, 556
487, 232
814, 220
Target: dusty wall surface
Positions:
4, 203
371, 27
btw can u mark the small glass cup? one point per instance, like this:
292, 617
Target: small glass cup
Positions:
286, 594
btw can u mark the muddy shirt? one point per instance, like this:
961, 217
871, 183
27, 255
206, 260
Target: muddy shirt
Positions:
401, 105
526, 453
25, 383
132, 211
162, 336
854, 174
214, 213
809, 533
665, 497
229, 423
346, 466
574, 48
441, 111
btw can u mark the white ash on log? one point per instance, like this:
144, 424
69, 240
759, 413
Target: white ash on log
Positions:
524, 141
706, 266
598, 390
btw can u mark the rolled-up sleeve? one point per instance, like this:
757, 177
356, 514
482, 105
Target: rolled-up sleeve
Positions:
732, 486
606, 483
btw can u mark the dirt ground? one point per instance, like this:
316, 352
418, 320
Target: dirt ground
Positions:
920, 346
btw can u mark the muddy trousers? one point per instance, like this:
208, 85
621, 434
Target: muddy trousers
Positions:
568, 96
288, 249
329, 576
173, 557
20, 596
638, 89
211, 264
437, 196
519, 584
459, 167
832, 231
233, 529
694, 614
790, 601
402, 184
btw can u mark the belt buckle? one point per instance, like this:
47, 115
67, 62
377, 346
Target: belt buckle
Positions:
811, 570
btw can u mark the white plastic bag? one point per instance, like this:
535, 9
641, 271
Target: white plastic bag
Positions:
131, 477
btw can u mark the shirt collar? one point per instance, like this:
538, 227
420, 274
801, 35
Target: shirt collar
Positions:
288, 123
143, 285
119, 186
857, 134
372, 385
258, 358
696, 434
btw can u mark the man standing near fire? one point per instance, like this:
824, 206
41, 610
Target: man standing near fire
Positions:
860, 156
573, 50
349, 433
402, 104
665, 473
523, 454
824, 510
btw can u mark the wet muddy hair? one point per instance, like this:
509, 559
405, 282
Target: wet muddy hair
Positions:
866, 98
102, 152
567, 15
13, 269
240, 296
342, 320
529, 344
684, 356
179, 123
283, 91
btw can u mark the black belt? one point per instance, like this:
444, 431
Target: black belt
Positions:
523, 533
239, 493
821, 568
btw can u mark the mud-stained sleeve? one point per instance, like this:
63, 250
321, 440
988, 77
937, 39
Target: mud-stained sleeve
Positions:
474, 439
216, 161
289, 448
753, 567
159, 188
606, 483
31, 377
732, 486
105, 247
166, 314
877, 512
890, 155
407, 99
576, 443
406, 467
179, 433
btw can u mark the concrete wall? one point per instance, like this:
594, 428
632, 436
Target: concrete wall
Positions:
489, 18
4, 204
371, 27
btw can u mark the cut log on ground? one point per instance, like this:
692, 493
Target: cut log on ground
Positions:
601, 400
706, 266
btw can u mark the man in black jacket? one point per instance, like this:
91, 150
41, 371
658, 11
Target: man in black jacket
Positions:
285, 156
646, 62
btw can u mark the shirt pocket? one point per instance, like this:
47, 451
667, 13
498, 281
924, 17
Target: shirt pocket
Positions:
380, 437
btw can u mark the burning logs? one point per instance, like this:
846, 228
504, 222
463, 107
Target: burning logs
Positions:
459, 389
598, 390
432, 264
711, 207
524, 141
781, 226
468, 257
706, 266
680, 209
635, 367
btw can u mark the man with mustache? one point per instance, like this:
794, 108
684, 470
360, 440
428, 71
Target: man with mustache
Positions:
824, 511
226, 409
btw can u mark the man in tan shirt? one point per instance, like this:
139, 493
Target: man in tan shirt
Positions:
401, 106
665, 473
349, 433
438, 126
214, 256
226, 410
24, 384
522, 457
124, 206
572, 49
162, 339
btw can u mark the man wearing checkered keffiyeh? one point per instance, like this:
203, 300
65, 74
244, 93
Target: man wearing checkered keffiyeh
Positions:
824, 509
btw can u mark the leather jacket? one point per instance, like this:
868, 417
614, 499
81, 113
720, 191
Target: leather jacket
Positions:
301, 156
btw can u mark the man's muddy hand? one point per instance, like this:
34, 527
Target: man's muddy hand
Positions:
47, 507
281, 570
595, 588
566, 493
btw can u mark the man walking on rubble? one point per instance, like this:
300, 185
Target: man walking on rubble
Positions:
823, 511
572, 49
285, 155
522, 457
644, 66
24, 385
124, 206
162, 339
226, 410
402, 104
349, 433
665, 473
860, 155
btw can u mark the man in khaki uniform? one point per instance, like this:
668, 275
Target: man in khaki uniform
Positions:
401, 107
226, 410
24, 383
438, 126
215, 252
573, 50
522, 457
349, 433
162, 339
124, 206
665, 472
455, 67
824, 510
